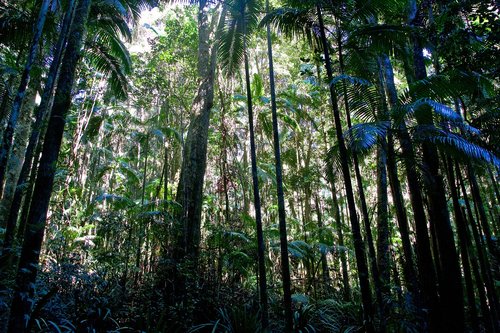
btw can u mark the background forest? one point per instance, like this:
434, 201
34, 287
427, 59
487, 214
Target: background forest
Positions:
249, 166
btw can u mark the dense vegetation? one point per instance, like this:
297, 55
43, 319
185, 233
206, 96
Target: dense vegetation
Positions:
249, 166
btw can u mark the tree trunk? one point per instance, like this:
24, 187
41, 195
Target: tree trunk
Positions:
356, 229
426, 271
383, 232
383, 255
35, 228
340, 234
16, 158
372, 256
450, 289
479, 204
324, 259
41, 113
190, 187
21, 92
464, 246
409, 273
285, 265
13, 170
482, 281
482, 253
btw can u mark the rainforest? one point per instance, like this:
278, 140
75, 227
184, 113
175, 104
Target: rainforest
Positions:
254, 166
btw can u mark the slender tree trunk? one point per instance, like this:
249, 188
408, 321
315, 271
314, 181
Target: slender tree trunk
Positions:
45, 103
324, 259
494, 184
340, 234
256, 194
356, 229
450, 289
464, 248
409, 272
28, 264
16, 158
21, 92
424, 256
481, 280
478, 201
285, 265
13, 170
142, 228
483, 257
372, 256
383, 253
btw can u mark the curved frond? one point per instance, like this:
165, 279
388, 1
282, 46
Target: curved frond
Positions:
103, 60
14, 23
361, 138
110, 22
293, 22
404, 111
364, 102
455, 144
350, 79
240, 21
379, 38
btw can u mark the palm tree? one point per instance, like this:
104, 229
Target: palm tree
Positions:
299, 20
240, 21
285, 266
105, 52
450, 288
358, 240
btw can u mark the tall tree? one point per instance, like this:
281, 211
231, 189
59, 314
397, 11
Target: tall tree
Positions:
356, 230
8, 134
450, 288
190, 187
35, 228
13, 206
285, 267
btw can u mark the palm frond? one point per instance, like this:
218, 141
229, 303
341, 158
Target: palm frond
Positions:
404, 111
379, 38
117, 48
351, 79
457, 145
361, 138
332, 160
103, 60
240, 21
230, 48
14, 23
365, 11
110, 18
128, 9
293, 23
364, 102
